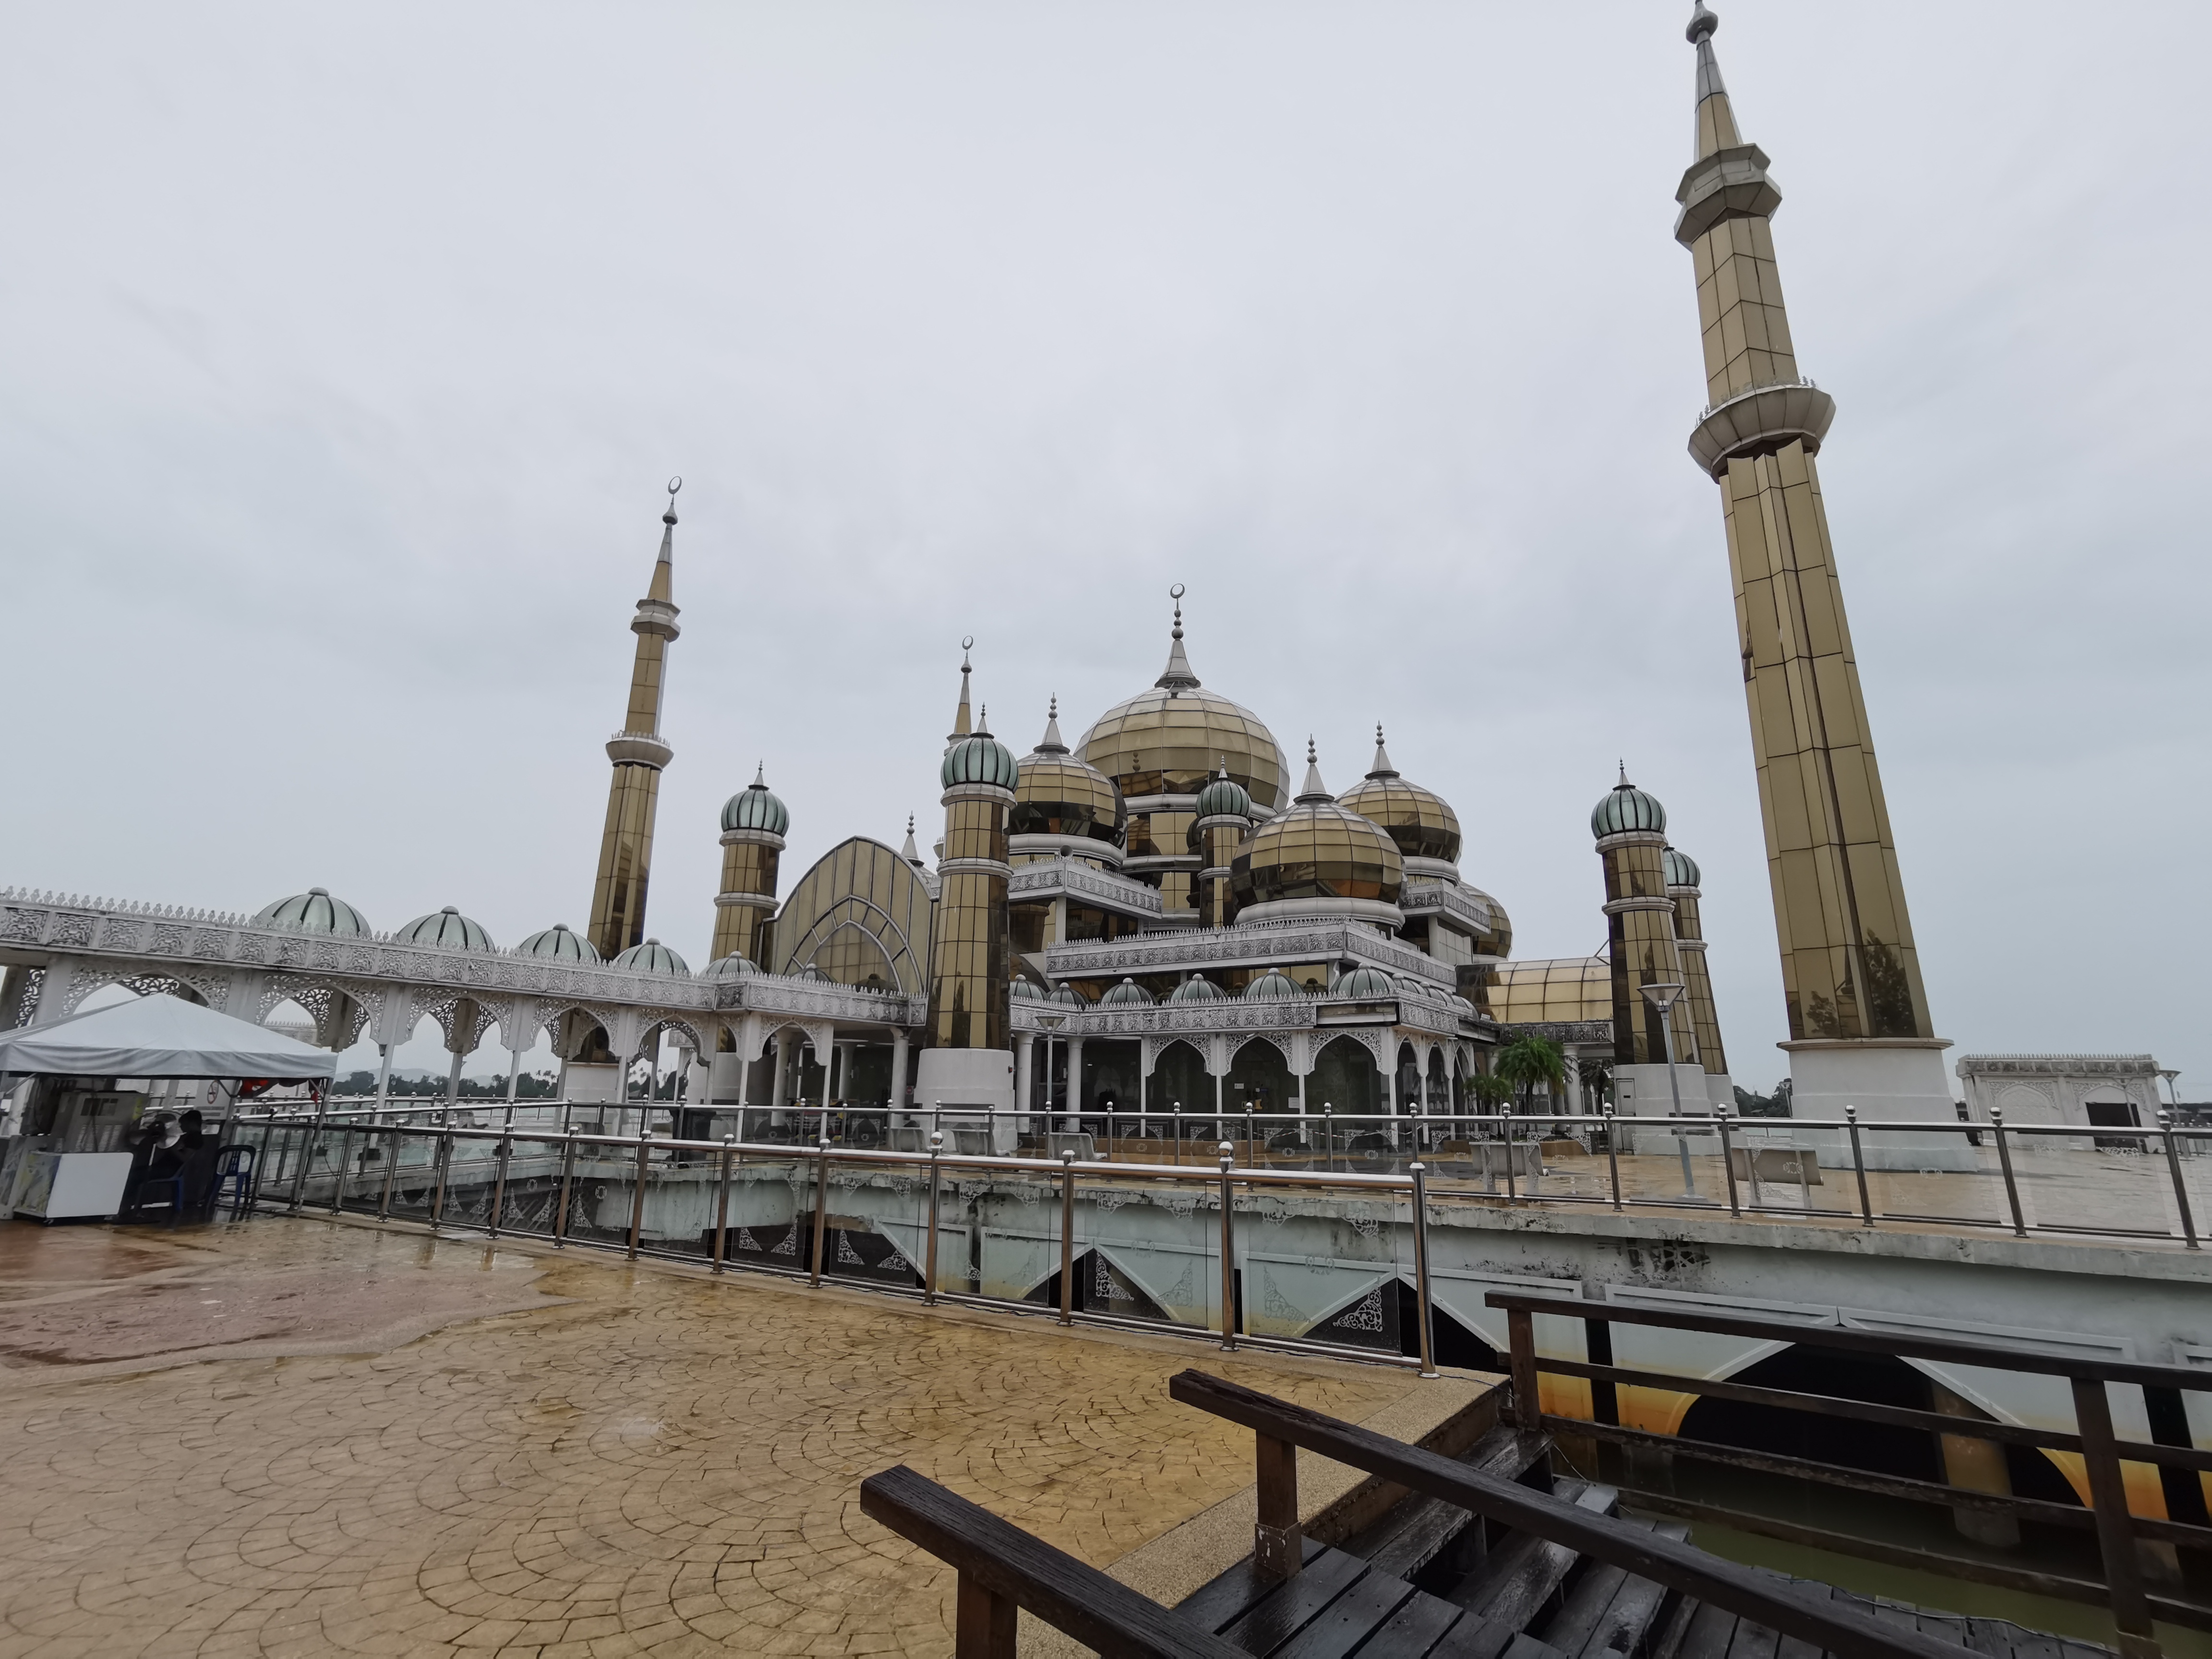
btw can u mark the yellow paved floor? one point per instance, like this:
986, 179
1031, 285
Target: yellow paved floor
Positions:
296, 1436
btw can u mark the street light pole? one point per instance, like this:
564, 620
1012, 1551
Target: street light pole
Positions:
1662, 996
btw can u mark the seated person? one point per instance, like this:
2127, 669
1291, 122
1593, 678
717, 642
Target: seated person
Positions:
171, 1157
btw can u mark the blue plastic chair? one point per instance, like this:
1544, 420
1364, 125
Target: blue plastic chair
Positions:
233, 1177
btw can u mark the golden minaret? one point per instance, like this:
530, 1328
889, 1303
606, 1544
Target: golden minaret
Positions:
1631, 830
1849, 969
638, 752
1683, 878
967, 1057
754, 824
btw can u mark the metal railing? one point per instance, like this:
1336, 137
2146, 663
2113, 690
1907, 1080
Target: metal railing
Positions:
2092, 1439
2081, 1182
581, 1187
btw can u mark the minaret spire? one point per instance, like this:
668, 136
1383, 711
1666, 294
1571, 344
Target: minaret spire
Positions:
1716, 117
639, 752
1382, 768
1850, 972
962, 725
1314, 789
1051, 744
1176, 676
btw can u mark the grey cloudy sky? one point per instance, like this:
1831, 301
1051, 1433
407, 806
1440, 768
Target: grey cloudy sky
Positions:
344, 351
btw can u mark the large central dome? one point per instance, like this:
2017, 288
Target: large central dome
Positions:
1169, 740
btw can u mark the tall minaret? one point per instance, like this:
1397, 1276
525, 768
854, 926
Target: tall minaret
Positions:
968, 1057
1682, 887
639, 752
1859, 1017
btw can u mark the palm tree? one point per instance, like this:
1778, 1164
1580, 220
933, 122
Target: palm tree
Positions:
1527, 1061
1597, 1076
1490, 1091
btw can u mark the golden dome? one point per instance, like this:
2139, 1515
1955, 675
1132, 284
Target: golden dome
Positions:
1057, 794
1170, 739
1420, 820
1317, 850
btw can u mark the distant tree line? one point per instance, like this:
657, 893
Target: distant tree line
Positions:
526, 1087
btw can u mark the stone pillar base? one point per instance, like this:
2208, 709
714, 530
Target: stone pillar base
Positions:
1889, 1080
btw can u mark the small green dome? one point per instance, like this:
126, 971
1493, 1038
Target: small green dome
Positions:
314, 912
757, 807
1066, 996
1027, 990
654, 958
558, 944
1681, 870
730, 967
444, 930
1624, 808
1197, 988
1224, 797
1127, 995
1273, 985
1366, 984
979, 759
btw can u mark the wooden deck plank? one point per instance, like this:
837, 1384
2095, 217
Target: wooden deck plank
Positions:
1295, 1602
1351, 1619
1710, 1631
1415, 1630
1221, 1601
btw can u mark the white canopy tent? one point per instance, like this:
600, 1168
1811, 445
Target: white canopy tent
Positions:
161, 1036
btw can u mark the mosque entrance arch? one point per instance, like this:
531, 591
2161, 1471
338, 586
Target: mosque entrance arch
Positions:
1259, 1079
1345, 1078
1179, 1077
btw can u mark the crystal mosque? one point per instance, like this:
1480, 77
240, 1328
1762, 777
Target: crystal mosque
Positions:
1173, 911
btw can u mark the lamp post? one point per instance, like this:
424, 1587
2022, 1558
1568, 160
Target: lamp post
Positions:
1662, 996
2172, 1089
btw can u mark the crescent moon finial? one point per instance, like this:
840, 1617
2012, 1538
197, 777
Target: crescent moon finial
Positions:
968, 642
676, 484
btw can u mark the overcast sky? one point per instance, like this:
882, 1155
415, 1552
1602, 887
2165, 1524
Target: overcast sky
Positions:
343, 353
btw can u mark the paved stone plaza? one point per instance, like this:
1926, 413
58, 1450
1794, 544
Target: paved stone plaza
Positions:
299, 1436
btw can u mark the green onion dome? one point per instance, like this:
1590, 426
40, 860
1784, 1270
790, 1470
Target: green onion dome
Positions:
1367, 984
733, 966
1127, 995
558, 944
1224, 797
1681, 869
813, 975
1197, 988
981, 758
1461, 1006
654, 958
1420, 820
314, 912
1066, 996
1026, 990
757, 807
1624, 808
1273, 985
444, 930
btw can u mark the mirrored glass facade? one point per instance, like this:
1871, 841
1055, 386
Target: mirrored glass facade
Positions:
862, 915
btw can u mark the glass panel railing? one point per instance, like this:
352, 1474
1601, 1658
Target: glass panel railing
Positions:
529, 1195
2107, 1181
877, 1229
771, 1211
415, 1157
1009, 1214
1326, 1262
1147, 1236
1927, 1174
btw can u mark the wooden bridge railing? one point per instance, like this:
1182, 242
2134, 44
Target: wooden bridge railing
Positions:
1002, 1568
2123, 1589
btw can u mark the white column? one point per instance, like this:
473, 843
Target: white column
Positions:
383, 1078
514, 1078
1074, 1083
898, 1067
1024, 1069
453, 1084
780, 1092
